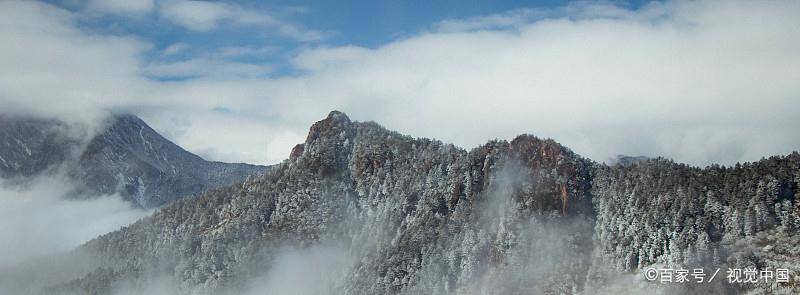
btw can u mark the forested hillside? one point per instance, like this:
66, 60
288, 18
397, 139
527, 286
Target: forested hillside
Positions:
383, 213
660, 212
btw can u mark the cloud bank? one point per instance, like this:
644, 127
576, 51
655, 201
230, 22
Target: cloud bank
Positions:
701, 82
38, 220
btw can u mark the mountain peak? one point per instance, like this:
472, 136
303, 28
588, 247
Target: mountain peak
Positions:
333, 125
123, 156
338, 116
131, 158
328, 143
127, 117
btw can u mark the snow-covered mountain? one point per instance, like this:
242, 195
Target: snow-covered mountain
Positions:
125, 156
29, 146
358, 209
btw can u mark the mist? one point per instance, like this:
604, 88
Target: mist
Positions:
38, 220
304, 271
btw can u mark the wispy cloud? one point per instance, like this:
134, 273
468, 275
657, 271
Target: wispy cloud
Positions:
121, 6
205, 67
204, 16
176, 48
247, 51
39, 221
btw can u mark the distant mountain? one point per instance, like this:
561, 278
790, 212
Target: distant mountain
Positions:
126, 157
383, 213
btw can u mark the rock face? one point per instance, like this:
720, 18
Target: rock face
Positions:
126, 157
416, 216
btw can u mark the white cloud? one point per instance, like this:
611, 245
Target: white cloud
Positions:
330, 58
313, 270
49, 66
495, 21
38, 221
204, 16
524, 16
697, 81
197, 15
700, 82
176, 48
121, 6
205, 67
244, 51
227, 136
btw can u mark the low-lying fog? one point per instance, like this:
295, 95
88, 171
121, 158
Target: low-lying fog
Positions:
39, 220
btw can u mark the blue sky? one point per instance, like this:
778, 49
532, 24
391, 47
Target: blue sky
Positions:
700, 81
368, 24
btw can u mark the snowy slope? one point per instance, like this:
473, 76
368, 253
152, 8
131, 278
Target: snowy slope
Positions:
126, 157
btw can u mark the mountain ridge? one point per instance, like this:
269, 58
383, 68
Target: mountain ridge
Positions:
125, 156
417, 216
352, 160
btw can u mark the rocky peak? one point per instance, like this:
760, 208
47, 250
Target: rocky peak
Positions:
536, 151
338, 116
625, 160
336, 123
328, 144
